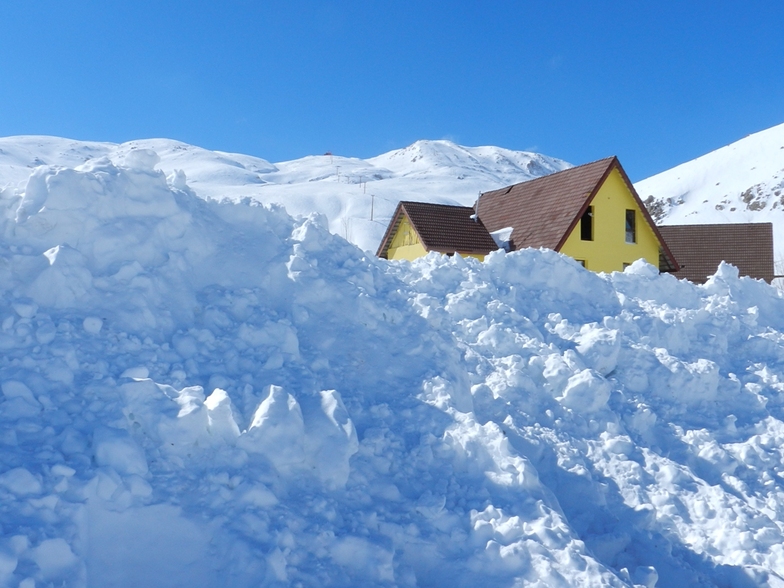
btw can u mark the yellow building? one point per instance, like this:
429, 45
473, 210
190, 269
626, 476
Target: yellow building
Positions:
419, 227
590, 212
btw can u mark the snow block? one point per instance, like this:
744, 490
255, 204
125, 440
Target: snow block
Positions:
585, 392
114, 448
21, 482
277, 431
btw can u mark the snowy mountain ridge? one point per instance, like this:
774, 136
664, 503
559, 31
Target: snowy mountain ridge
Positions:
347, 190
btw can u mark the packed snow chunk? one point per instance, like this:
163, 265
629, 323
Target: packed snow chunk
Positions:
8, 563
312, 233
54, 557
485, 450
645, 576
147, 403
643, 269
65, 282
538, 552
15, 389
114, 448
277, 431
136, 373
502, 237
21, 482
364, 559
443, 394
259, 496
177, 180
586, 392
220, 416
35, 194
557, 369
725, 273
92, 324
276, 561
688, 383
25, 309
182, 421
45, 333
142, 159
503, 538
599, 347
331, 439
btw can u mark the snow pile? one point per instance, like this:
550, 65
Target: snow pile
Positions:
198, 393
357, 196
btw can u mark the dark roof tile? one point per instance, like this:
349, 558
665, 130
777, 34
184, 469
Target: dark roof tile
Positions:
543, 209
442, 227
700, 249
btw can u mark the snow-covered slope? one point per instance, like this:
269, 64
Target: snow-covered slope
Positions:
742, 182
347, 190
200, 393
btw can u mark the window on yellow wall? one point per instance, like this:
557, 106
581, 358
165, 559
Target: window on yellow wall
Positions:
631, 226
581, 262
586, 225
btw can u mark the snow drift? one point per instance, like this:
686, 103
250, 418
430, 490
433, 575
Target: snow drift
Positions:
201, 393
358, 196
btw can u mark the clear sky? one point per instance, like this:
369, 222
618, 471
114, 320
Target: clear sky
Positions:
656, 83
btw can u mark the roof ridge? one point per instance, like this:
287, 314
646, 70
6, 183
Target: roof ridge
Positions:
717, 224
563, 171
404, 202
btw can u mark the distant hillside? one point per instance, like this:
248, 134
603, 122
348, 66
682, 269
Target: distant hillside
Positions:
347, 190
742, 182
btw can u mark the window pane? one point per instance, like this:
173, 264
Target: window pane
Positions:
586, 225
631, 227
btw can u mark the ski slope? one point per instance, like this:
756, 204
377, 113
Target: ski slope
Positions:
203, 392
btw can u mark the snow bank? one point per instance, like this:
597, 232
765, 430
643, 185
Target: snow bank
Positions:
208, 394
357, 196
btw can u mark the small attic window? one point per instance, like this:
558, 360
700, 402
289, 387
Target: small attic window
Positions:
586, 225
631, 226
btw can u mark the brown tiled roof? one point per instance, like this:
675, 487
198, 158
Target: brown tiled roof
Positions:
441, 227
542, 210
700, 248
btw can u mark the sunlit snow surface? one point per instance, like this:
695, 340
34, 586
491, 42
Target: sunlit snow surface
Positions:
740, 183
211, 394
357, 196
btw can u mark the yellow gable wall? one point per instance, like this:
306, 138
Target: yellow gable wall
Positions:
405, 243
609, 250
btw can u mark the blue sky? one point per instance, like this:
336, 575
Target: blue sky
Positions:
655, 83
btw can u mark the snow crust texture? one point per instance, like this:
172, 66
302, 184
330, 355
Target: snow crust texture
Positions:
200, 393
